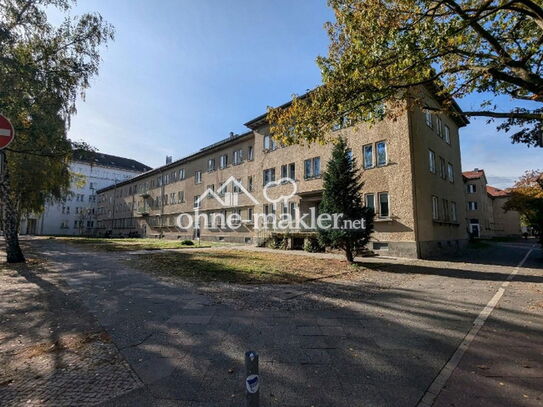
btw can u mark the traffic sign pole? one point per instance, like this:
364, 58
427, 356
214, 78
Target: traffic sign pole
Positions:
7, 134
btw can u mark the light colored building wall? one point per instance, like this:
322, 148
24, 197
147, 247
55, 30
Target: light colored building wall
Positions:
76, 215
408, 229
505, 223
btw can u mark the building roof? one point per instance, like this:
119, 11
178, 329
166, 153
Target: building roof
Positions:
475, 174
496, 192
106, 160
460, 119
163, 168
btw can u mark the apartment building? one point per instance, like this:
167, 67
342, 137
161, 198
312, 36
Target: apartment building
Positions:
484, 204
410, 168
76, 213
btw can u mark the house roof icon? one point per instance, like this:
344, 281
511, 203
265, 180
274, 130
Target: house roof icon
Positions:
230, 198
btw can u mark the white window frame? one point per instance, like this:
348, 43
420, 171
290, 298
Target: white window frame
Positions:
428, 119
223, 161
447, 134
432, 161
450, 172
435, 207
388, 204
377, 154
364, 163
197, 177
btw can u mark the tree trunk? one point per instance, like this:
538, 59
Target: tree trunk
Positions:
9, 219
349, 254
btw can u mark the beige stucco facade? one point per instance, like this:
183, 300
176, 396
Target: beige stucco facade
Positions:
401, 179
486, 217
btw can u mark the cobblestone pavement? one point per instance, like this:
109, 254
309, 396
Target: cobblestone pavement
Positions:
52, 351
376, 339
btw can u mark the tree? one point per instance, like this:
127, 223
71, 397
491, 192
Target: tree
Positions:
383, 51
526, 197
43, 70
341, 195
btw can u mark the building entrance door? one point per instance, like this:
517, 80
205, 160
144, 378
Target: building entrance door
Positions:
475, 230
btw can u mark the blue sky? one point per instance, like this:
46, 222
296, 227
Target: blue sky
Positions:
182, 74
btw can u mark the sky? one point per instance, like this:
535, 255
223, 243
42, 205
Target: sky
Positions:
182, 74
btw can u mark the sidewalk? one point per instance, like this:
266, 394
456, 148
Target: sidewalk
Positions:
504, 364
52, 351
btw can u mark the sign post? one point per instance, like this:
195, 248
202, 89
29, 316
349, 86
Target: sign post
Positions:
252, 380
7, 134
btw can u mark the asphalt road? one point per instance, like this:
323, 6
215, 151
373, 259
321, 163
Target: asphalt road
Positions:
381, 350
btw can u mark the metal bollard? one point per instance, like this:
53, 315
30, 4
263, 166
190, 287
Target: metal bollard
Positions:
252, 381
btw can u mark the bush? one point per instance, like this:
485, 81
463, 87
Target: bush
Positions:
278, 242
312, 245
187, 242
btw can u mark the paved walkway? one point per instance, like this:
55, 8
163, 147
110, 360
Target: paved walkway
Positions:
53, 352
383, 349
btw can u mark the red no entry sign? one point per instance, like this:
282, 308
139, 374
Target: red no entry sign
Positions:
7, 132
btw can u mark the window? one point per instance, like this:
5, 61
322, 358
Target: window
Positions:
439, 127
350, 154
181, 196
182, 173
250, 214
210, 187
165, 199
471, 188
445, 209
284, 171
370, 201
368, 156
250, 153
428, 119
432, 161
197, 202
211, 164
384, 207
250, 183
442, 168
435, 207
312, 167
238, 157
453, 212
472, 205
198, 177
381, 148
223, 161
342, 123
269, 209
268, 176
447, 134
269, 143
450, 172
292, 171
236, 188
288, 171
317, 167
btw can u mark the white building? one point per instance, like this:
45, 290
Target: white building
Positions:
76, 215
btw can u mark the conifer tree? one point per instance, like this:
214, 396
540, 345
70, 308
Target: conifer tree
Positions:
341, 195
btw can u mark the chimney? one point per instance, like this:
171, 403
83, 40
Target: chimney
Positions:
476, 170
168, 159
232, 134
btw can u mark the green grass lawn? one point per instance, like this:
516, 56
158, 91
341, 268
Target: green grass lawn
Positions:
129, 244
240, 266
